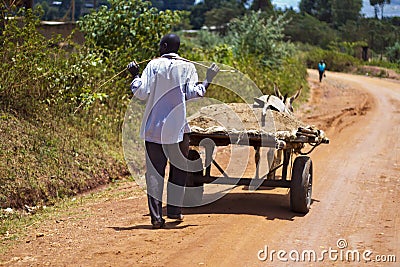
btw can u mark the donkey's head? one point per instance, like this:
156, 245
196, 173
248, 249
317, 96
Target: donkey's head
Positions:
277, 102
288, 102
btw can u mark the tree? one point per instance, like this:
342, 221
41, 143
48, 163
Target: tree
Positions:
199, 10
263, 5
159, 4
178, 4
321, 9
197, 17
222, 15
393, 53
267, 44
382, 5
345, 10
308, 29
334, 12
379, 4
69, 6
173, 4
129, 25
307, 6
374, 3
379, 34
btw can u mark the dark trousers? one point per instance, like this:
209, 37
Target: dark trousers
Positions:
157, 156
321, 73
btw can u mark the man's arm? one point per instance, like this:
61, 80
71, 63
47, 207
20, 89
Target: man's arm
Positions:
212, 71
194, 90
139, 85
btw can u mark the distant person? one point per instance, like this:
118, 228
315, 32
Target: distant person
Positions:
165, 84
321, 69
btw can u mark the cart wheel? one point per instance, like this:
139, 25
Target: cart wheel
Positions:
194, 187
301, 185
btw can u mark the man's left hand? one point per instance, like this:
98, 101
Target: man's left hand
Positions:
212, 71
133, 68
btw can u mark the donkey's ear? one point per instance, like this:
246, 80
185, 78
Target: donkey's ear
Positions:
284, 98
277, 92
293, 98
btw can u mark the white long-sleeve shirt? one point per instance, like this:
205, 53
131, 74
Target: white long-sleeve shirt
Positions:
166, 84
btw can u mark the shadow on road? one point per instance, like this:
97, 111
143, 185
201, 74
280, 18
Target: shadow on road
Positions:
168, 226
270, 206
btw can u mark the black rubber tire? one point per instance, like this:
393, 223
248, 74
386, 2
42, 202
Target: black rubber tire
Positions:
301, 185
194, 189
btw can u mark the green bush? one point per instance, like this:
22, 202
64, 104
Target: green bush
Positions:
309, 30
335, 61
393, 53
129, 25
27, 62
260, 36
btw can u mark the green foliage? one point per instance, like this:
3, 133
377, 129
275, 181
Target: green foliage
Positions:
267, 44
308, 29
382, 64
132, 25
184, 22
222, 15
320, 9
206, 39
377, 34
38, 75
380, 34
207, 46
350, 48
173, 4
219, 11
345, 10
26, 56
197, 17
45, 160
264, 5
334, 12
393, 53
335, 61
49, 153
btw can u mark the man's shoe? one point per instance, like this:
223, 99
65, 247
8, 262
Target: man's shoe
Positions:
178, 217
158, 224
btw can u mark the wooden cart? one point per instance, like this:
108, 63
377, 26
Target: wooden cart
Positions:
289, 145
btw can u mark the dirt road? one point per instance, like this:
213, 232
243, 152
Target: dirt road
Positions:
355, 209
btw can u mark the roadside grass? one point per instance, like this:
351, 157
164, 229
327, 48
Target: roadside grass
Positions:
384, 64
48, 159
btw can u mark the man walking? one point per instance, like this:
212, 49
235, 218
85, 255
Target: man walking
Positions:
321, 69
166, 83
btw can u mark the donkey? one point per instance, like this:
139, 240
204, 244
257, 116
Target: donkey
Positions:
278, 103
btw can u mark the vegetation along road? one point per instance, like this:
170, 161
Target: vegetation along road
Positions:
355, 209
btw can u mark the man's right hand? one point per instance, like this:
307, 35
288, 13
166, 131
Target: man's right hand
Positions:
133, 68
212, 71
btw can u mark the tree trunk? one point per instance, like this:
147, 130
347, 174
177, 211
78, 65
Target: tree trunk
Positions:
365, 53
